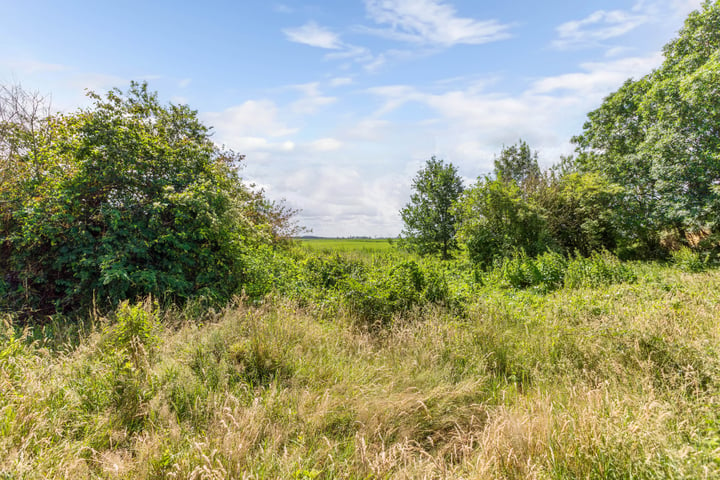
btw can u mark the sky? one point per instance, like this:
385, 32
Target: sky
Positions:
338, 104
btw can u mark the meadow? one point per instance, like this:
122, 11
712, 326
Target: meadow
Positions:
363, 245
382, 365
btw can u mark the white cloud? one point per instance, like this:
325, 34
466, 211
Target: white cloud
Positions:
340, 81
247, 127
343, 201
30, 67
282, 8
312, 98
250, 145
314, 35
325, 145
596, 27
598, 77
431, 22
684, 7
370, 129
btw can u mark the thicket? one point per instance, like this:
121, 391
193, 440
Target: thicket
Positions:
659, 137
122, 200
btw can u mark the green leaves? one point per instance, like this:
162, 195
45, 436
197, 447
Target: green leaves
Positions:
497, 220
126, 199
659, 137
429, 222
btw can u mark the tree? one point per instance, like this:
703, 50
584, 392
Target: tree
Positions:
127, 198
428, 218
517, 163
659, 137
495, 220
580, 210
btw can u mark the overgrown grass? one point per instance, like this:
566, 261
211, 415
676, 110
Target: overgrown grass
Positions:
615, 380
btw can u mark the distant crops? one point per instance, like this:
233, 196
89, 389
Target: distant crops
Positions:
348, 244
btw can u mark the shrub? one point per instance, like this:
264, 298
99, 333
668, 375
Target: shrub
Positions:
545, 272
390, 287
552, 270
496, 220
127, 199
689, 260
600, 268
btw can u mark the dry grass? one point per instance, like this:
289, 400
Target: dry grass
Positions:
618, 382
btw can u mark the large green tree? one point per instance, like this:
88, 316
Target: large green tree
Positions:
126, 198
429, 222
659, 137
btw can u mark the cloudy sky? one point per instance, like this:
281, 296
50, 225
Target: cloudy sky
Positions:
337, 104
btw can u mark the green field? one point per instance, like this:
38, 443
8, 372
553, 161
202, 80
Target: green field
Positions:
361, 245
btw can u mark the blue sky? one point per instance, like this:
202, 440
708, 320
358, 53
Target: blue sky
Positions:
337, 104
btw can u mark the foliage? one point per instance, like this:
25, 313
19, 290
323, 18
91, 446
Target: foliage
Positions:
546, 272
581, 211
689, 260
496, 219
429, 221
600, 268
551, 270
620, 380
125, 199
391, 289
518, 164
658, 137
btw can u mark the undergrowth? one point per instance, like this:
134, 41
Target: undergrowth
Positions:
614, 376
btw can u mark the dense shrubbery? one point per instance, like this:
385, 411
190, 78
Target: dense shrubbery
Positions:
497, 219
126, 199
551, 270
372, 288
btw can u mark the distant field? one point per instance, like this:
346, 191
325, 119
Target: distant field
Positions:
348, 244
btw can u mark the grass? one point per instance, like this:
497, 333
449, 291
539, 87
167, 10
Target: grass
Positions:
599, 380
348, 245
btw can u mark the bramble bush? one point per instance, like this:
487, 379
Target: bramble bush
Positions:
126, 199
373, 288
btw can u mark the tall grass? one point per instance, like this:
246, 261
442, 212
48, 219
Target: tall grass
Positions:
612, 381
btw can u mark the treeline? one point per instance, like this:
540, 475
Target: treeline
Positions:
645, 179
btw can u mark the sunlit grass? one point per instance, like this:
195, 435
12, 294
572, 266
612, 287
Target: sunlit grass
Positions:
618, 381
348, 245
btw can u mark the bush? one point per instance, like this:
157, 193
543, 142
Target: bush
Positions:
600, 268
497, 220
545, 273
581, 211
689, 260
551, 270
127, 199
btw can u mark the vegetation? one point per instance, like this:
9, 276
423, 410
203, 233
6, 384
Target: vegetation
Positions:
329, 245
659, 137
430, 223
597, 379
126, 199
498, 219
156, 320
517, 163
